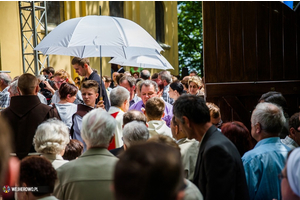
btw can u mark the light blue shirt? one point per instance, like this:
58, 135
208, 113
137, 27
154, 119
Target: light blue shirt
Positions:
262, 166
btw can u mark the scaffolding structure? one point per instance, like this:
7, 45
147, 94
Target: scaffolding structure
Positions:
33, 22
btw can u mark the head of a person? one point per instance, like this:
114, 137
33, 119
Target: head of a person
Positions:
98, 128
128, 82
239, 135
13, 89
267, 120
138, 87
294, 126
193, 73
190, 110
145, 74
136, 75
185, 83
160, 85
114, 75
51, 137
194, 85
119, 97
127, 73
89, 92
68, 92
165, 76
48, 72
107, 81
134, 115
73, 150
36, 171
154, 76
215, 114
28, 84
154, 108
9, 166
149, 171
77, 80
176, 132
81, 65
275, 98
164, 139
5, 80
60, 77
134, 132
290, 183
176, 89
148, 89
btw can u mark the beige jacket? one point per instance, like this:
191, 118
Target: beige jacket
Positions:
87, 178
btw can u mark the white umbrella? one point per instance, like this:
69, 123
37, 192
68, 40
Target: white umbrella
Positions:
156, 61
115, 37
99, 36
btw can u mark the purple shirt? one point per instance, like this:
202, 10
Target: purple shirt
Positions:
168, 110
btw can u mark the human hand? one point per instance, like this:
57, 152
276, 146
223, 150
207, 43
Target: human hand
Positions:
100, 104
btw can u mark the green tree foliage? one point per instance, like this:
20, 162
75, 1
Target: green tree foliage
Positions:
190, 36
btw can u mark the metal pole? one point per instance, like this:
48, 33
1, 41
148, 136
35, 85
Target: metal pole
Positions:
34, 32
46, 29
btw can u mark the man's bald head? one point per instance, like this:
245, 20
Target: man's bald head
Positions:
27, 84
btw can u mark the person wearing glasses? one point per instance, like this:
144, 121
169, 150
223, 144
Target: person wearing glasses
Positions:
265, 161
60, 77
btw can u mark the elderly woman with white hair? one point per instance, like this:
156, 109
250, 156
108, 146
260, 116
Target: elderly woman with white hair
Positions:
290, 184
51, 139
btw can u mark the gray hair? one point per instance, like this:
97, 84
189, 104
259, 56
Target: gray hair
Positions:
118, 95
165, 75
51, 137
270, 117
5, 77
135, 131
98, 127
131, 80
13, 88
147, 83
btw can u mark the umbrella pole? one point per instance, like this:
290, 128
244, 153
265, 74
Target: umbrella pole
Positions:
101, 97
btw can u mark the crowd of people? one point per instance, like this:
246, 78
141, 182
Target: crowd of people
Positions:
140, 136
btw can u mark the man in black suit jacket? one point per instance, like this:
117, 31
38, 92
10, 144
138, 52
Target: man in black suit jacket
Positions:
219, 172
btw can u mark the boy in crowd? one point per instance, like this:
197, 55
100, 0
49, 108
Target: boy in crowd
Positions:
89, 90
154, 111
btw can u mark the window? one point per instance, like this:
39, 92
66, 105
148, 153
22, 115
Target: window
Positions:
160, 21
116, 8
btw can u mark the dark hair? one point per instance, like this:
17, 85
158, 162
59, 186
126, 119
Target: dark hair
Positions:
164, 139
73, 150
177, 85
131, 80
37, 171
118, 77
194, 71
155, 108
137, 73
193, 107
148, 171
154, 76
134, 115
160, 84
80, 61
49, 70
145, 74
27, 83
90, 84
294, 121
185, 82
67, 88
276, 98
239, 135
107, 79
